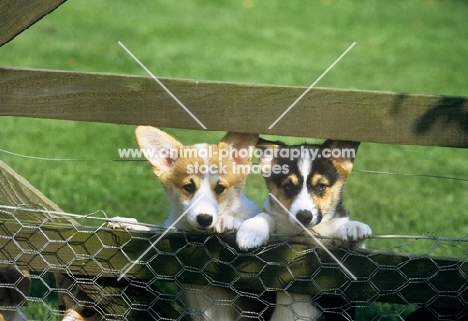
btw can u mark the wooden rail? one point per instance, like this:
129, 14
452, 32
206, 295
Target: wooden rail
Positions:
364, 116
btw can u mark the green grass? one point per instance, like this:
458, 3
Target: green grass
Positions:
404, 46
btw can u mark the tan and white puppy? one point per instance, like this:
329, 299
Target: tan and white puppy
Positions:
204, 184
13, 295
308, 181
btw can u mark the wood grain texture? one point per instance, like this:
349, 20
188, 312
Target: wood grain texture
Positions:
382, 117
18, 15
16, 190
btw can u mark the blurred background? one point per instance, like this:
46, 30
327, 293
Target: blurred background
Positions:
418, 46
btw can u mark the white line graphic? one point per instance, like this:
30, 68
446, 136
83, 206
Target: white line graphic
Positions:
315, 239
161, 84
312, 86
159, 238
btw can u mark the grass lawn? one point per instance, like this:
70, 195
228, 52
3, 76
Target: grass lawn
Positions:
404, 46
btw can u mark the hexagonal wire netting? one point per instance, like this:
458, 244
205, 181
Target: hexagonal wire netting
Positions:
52, 266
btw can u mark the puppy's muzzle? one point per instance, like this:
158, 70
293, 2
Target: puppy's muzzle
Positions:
304, 216
204, 220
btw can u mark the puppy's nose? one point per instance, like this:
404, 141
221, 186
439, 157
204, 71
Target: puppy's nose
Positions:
204, 220
304, 216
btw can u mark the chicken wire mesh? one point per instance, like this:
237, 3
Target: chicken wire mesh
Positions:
51, 266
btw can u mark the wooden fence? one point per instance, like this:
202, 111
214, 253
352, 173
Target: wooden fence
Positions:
40, 240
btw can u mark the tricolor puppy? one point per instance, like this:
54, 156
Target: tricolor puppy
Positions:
15, 286
308, 181
205, 183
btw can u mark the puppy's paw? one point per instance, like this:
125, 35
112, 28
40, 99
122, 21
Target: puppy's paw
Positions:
126, 223
353, 232
252, 233
227, 224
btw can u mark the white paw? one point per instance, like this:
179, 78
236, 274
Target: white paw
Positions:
353, 231
126, 223
252, 233
227, 224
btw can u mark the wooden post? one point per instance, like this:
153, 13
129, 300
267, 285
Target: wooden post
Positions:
18, 15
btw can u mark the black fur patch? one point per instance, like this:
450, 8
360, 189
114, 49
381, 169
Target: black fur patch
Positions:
320, 165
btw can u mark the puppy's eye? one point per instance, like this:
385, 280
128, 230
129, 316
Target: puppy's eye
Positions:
288, 187
219, 189
62, 308
190, 188
320, 187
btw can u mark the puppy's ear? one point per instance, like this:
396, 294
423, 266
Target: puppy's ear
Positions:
159, 148
268, 149
240, 146
268, 153
342, 154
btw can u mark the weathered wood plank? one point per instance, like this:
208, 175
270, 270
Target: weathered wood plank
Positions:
365, 116
18, 15
15, 190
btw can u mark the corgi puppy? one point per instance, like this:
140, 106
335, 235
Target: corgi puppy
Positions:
72, 300
204, 184
308, 181
15, 294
